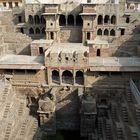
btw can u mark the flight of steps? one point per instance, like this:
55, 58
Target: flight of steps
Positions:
134, 133
114, 112
120, 133
15, 121
124, 113
138, 116
100, 128
129, 97
108, 130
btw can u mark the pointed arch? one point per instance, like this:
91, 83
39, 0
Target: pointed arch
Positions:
30, 19
31, 31
100, 19
113, 19
106, 32
37, 31
36, 19
112, 32
99, 32
62, 20
106, 19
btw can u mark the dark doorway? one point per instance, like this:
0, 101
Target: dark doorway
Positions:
122, 31
22, 30
106, 32
37, 19
112, 32
113, 20
88, 35
31, 31
98, 52
52, 35
79, 21
19, 19
37, 30
62, 20
55, 77
106, 19
79, 79
67, 77
41, 50
70, 20
99, 32
127, 20
30, 19
100, 19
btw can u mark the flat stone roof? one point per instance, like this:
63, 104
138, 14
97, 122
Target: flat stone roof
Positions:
44, 41
114, 61
67, 1
21, 62
67, 48
98, 41
128, 64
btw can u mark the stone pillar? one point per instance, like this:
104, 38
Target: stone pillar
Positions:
83, 36
66, 20
60, 76
20, 4
13, 4
74, 20
7, 5
49, 76
74, 74
85, 78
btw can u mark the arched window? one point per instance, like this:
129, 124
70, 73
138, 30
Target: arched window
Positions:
112, 32
70, 20
62, 20
127, 20
106, 19
43, 31
79, 79
67, 77
98, 52
106, 32
99, 32
30, 19
88, 35
55, 77
52, 35
37, 19
31, 31
100, 19
37, 31
113, 19
79, 20
43, 21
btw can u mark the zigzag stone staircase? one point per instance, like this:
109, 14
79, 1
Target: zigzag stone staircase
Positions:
15, 121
